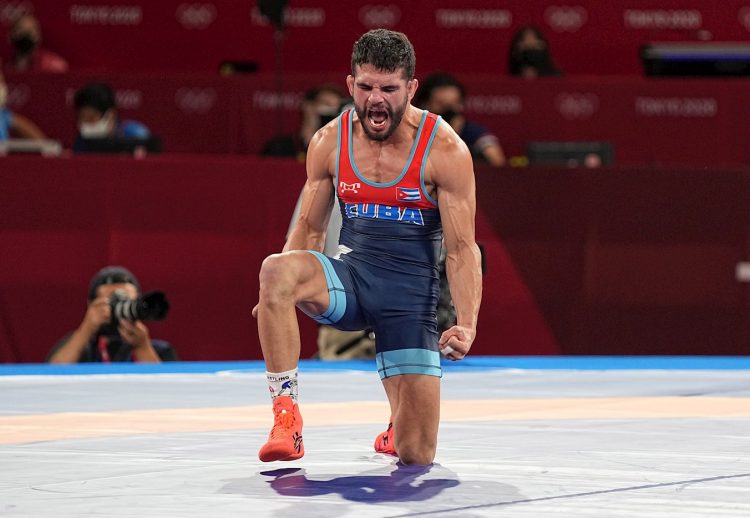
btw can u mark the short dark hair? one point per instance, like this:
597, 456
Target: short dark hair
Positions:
433, 82
98, 96
111, 275
385, 50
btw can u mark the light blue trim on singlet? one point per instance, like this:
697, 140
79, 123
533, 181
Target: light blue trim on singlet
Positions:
408, 361
408, 161
336, 294
424, 161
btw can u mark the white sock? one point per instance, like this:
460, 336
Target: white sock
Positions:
283, 384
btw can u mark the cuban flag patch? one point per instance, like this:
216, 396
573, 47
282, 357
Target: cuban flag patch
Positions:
408, 194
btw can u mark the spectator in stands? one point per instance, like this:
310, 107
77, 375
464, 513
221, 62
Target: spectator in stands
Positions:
320, 105
96, 111
12, 124
443, 94
97, 339
26, 37
530, 55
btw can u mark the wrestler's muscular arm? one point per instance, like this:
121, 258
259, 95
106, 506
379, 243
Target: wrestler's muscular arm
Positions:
452, 173
317, 195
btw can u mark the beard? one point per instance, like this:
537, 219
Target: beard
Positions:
394, 119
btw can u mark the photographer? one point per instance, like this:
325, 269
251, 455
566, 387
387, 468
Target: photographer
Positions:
100, 338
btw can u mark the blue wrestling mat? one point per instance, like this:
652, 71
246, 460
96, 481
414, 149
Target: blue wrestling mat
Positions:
471, 363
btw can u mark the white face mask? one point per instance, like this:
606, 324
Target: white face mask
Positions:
98, 129
3, 94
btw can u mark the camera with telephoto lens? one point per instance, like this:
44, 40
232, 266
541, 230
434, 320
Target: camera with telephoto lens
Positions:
151, 306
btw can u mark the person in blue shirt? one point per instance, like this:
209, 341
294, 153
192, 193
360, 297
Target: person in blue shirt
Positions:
96, 113
13, 124
444, 95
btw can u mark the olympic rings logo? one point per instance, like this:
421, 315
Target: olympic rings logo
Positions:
379, 16
577, 106
195, 100
11, 11
566, 18
196, 16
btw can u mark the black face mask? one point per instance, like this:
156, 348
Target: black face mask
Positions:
23, 43
537, 58
449, 114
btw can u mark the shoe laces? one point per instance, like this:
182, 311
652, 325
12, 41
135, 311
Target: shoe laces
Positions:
283, 423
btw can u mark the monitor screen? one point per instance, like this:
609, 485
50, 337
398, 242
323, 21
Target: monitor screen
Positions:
696, 59
119, 145
570, 154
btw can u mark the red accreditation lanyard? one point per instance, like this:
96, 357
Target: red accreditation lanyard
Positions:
102, 345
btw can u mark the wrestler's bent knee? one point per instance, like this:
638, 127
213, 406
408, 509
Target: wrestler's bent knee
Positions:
409, 454
276, 279
415, 448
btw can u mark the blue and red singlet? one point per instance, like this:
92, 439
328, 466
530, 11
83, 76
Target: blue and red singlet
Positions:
385, 275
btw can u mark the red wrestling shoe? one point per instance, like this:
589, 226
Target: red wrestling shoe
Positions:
384, 441
285, 439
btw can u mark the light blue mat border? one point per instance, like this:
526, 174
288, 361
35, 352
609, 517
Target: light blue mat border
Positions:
472, 363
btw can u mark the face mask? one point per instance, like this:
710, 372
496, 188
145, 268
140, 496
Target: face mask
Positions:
98, 129
325, 115
3, 95
535, 57
450, 114
23, 43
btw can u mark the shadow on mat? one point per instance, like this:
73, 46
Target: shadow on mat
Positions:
400, 485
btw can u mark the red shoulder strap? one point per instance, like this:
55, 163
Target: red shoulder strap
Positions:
344, 135
345, 172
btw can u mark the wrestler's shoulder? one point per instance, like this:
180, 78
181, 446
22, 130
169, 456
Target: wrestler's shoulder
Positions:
447, 140
326, 138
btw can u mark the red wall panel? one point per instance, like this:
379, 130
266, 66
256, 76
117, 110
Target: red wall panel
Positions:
611, 261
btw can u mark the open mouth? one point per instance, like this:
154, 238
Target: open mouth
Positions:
377, 117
